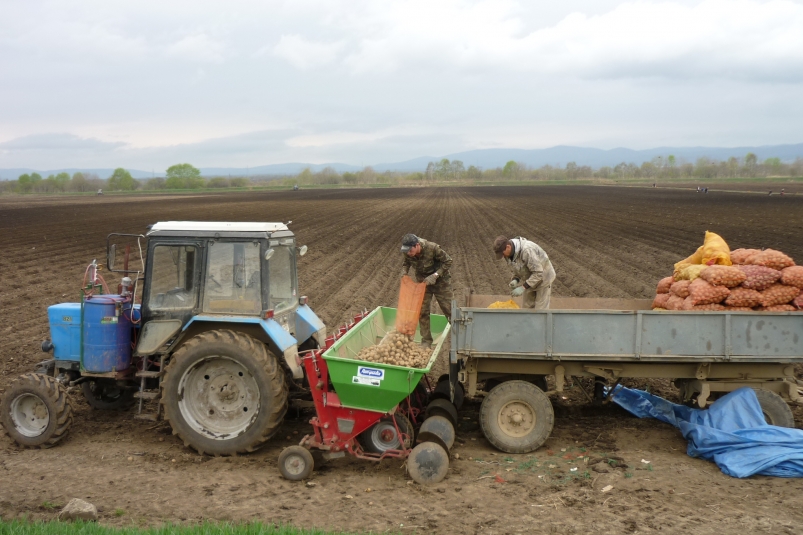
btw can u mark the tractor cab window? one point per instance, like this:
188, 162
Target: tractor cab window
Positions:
173, 285
281, 274
233, 278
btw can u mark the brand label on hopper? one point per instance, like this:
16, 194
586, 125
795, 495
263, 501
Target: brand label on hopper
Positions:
373, 373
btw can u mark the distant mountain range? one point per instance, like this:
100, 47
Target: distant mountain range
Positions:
484, 158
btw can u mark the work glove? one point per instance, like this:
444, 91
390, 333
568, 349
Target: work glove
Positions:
431, 279
513, 283
517, 291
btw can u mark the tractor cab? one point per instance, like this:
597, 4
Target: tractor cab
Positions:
198, 274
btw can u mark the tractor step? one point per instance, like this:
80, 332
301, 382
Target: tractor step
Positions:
149, 374
146, 395
147, 416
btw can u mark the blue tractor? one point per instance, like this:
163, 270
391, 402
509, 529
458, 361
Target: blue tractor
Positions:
213, 346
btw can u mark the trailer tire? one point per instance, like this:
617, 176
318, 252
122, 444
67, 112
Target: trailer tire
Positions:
36, 411
776, 410
224, 393
516, 417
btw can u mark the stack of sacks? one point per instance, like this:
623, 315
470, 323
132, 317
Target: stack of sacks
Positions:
744, 280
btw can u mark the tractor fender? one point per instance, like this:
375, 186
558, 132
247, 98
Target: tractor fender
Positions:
309, 325
269, 331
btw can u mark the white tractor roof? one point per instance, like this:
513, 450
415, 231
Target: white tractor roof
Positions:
219, 226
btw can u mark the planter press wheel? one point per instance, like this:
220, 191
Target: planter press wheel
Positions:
428, 463
296, 463
35, 411
516, 417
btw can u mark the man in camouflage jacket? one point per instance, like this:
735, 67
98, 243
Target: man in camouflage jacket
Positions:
431, 265
533, 273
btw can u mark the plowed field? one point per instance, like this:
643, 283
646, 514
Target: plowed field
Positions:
604, 242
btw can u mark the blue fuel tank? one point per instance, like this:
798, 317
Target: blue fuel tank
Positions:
107, 334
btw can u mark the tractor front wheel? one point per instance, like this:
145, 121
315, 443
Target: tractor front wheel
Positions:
36, 411
224, 393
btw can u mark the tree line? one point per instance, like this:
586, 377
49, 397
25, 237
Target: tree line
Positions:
186, 176
179, 176
660, 168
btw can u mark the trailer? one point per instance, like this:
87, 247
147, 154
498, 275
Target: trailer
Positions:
509, 354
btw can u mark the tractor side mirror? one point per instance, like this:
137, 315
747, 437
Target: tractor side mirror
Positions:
302, 250
110, 254
269, 253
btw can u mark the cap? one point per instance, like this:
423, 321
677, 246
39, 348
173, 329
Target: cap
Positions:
408, 241
499, 245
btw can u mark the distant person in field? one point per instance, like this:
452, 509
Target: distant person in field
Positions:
431, 265
533, 273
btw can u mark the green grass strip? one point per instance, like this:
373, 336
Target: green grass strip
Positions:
16, 527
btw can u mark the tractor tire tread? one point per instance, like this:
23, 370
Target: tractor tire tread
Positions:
269, 363
54, 393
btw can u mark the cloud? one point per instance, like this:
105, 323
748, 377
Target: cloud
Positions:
197, 47
57, 142
743, 39
306, 54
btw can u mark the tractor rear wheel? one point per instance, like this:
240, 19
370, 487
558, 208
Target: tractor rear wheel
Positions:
36, 411
224, 393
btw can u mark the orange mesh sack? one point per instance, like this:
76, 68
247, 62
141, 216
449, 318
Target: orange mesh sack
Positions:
778, 308
663, 285
792, 276
772, 259
743, 297
798, 302
742, 256
411, 297
674, 302
680, 288
778, 294
759, 277
723, 276
687, 305
702, 293
660, 300
715, 250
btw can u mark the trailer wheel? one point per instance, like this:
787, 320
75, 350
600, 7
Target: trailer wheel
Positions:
296, 463
35, 411
107, 395
224, 393
516, 417
382, 436
776, 410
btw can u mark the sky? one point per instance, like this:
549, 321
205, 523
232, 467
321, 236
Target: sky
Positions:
146, 84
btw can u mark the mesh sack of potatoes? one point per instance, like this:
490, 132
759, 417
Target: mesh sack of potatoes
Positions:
703, 293
778, 308
759, 277
689, 273
660, 300
689, 305
742, 256
778, 294
674, 303
680, 289
743, 297
738, 309
792, 276
695, 258
798, 301
772, 259
664, 284
397, 349
723, 276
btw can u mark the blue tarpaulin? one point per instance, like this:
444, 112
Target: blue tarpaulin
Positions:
732, 432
